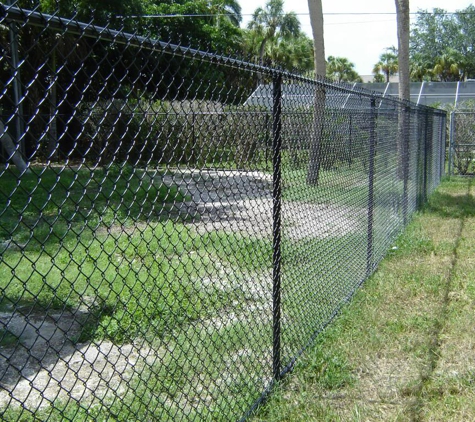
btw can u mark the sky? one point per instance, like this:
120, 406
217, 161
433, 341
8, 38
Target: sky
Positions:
359, 38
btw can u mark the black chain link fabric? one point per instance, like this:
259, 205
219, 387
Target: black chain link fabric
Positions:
461, 145
176, 227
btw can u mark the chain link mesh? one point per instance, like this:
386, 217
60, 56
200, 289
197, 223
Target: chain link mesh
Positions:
461, 146
177, 227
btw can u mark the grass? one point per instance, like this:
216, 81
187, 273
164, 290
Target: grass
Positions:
78, 238
49, 204
7, 339
148, 275
403, 349
103, 244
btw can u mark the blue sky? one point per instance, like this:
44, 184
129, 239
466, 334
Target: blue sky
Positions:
360, 38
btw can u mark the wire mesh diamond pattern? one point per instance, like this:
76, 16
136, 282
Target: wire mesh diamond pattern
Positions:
177, 227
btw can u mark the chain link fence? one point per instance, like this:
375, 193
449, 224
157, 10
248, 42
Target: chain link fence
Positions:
462, 143
177, 227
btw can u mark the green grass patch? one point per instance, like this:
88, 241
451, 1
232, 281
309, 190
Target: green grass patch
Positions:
137, 284
7, 338
49, 204
398, 351
79, 245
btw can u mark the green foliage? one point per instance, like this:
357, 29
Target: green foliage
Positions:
340, 69
107, 73
291, 53
387, 64
215, 28
115, 13
174, 133
274, 38
441, 45
330, 371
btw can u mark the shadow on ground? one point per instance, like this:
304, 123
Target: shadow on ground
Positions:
453, 206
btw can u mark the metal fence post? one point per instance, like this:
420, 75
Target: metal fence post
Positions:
350, 142
372, 151
17, 92
267, 139
406, 158
426, 157
442, 143
277, 205
451, 142
419, 160
430, 154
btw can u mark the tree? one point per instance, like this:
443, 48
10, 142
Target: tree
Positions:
58, 73
444, 43
466, 40
449, 66
206, 24
387, 64
271, 22
340, 69
114, 13
430, 34
295, 53
316, 20
315, 154
227, 10
403, 28
419, 70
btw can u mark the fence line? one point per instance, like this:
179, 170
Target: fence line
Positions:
187, 224
461, 145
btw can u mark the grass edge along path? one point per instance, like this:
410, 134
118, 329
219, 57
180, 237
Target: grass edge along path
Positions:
404, 348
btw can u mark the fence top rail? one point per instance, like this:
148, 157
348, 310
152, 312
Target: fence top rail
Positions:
19, 15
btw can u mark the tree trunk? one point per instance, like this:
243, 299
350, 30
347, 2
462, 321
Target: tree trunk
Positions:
262, 51
403, 28
12, 150
316, 19
315, 155
403, 24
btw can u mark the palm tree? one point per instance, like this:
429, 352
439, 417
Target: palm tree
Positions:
388, 64
449, 66
228, 9
316, 20
419, 70
292, 53
340, 69
270, 22
402, 63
